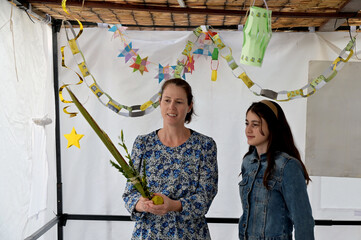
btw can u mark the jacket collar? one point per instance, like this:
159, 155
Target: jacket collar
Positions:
254, 156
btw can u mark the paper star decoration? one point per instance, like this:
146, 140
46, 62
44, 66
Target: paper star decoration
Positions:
118, 30
203, 50
201, 40
117, 27
113, 29
140, 64
73, 138
164, 72
189, 64
209, 35
128, 52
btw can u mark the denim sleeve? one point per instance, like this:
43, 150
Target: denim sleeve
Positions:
197, 205
295, 193
131, 195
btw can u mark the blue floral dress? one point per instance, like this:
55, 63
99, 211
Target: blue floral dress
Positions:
187, 173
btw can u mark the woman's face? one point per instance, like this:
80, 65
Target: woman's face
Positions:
174, 105
257, 132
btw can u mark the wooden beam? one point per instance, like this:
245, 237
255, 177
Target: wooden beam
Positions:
202, 11
332, 24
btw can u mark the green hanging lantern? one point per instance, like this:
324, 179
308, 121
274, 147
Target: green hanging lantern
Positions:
256, 36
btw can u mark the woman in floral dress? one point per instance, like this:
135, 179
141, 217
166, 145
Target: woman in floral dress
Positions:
180, 166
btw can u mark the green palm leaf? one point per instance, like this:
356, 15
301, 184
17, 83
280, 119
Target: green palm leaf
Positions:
129, 172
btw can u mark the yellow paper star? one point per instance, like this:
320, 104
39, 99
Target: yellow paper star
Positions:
73, 138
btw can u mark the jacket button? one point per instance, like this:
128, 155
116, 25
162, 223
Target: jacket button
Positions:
244, 225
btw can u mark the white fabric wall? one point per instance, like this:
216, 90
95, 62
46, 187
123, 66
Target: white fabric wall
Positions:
27, 172
91, 185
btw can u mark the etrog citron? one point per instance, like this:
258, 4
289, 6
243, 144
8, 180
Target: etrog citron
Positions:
157, 200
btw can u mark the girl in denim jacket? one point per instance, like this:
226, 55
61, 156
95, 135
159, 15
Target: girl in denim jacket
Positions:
274, 179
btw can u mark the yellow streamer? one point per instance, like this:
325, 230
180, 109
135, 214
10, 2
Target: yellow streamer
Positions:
63, 4
72, 114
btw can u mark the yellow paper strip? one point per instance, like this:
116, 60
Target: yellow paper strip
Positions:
246, 80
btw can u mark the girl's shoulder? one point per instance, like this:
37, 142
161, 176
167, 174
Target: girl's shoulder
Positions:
285, 161
283, 157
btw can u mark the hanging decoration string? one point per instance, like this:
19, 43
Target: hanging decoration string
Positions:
103, 97
13, 40
219, 48
285, 95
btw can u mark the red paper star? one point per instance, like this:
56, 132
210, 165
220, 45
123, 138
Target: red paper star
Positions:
190, 64
209, 35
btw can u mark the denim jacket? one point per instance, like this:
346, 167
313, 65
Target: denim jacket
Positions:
272, 214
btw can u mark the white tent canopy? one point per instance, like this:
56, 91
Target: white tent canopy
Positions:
90, 185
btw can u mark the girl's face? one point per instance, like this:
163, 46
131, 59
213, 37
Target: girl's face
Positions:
174, 105
257, 132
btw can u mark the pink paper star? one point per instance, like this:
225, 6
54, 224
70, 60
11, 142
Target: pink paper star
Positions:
128, 52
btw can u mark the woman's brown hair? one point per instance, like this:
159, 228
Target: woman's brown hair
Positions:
187, 88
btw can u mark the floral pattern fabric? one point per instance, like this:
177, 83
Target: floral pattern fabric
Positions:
188, 173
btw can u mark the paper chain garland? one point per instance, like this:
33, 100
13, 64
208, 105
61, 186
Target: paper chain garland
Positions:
285, 95
186, 65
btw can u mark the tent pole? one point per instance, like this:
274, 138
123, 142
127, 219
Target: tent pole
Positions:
59, 185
